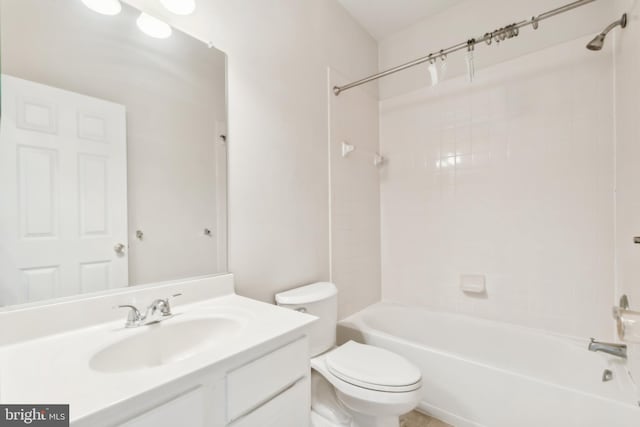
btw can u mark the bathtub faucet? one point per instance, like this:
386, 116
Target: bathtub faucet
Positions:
619, 350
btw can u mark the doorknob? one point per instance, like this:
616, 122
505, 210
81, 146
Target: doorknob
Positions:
119, 248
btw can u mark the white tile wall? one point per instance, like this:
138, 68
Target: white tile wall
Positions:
627, 79
510, 177
355, 197
628, 155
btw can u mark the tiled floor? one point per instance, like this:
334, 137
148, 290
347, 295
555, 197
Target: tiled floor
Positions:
416, 419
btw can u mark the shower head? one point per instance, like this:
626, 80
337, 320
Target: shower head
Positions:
598, 42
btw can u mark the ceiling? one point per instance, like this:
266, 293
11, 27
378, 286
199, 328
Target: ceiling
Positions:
382, 18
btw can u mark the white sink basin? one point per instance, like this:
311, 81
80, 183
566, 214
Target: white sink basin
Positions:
163, 343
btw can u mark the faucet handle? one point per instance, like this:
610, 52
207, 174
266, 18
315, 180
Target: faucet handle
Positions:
133, 317
621, 308
165, 310
624, 302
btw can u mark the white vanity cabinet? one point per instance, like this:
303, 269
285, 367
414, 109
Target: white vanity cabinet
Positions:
222, 360
288, 409
186, 410
270, 389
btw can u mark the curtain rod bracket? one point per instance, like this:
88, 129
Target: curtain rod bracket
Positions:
347, 149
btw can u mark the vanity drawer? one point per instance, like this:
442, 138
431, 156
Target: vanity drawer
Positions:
291, 408
257, 382
187, 410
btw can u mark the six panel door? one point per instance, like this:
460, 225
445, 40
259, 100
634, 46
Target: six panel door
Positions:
63, 193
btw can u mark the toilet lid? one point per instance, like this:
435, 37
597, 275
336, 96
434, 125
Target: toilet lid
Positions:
373, 368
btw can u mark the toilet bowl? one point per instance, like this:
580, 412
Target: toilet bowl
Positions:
374, 386
352, 385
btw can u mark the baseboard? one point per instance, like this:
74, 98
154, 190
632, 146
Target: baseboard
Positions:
447, 417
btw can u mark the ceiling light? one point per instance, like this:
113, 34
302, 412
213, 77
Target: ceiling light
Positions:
179, 7
153, 27
105, 7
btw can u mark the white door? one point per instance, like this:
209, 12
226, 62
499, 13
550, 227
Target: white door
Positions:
63, 193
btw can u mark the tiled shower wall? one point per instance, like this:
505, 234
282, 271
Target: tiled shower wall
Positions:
627, 67
627, 84
355, 197
510, 177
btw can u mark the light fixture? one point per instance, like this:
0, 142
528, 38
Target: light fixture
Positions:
179, 7
153, 27
105, 7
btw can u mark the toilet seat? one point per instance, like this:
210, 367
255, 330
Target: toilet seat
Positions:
373, 368
338, 367
360, 393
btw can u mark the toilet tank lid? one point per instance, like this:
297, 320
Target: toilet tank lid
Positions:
307, 294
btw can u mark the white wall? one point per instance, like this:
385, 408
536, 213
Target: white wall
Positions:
510, 177
278, 54
473, 18
627, 108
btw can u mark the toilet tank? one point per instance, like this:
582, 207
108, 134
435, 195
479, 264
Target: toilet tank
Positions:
320, 300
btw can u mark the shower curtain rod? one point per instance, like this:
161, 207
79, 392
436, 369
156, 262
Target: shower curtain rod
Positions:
469, 44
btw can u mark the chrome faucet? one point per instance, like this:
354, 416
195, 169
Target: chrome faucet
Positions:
618, 350
159, 310
134, 318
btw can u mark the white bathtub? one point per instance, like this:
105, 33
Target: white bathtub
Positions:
484, 373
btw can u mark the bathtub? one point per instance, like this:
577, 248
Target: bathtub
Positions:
489, 374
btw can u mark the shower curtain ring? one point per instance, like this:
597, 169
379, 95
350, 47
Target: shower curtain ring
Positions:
535, 23
471, 44
488, 38
509, 31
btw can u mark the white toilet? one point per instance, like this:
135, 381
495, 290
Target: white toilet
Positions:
353, 385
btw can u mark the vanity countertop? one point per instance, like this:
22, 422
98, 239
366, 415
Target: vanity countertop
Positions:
57, 368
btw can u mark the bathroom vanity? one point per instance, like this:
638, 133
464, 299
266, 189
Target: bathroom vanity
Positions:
218, 360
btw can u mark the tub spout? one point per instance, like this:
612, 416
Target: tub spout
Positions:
618, 350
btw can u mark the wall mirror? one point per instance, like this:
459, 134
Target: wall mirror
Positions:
112, 152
